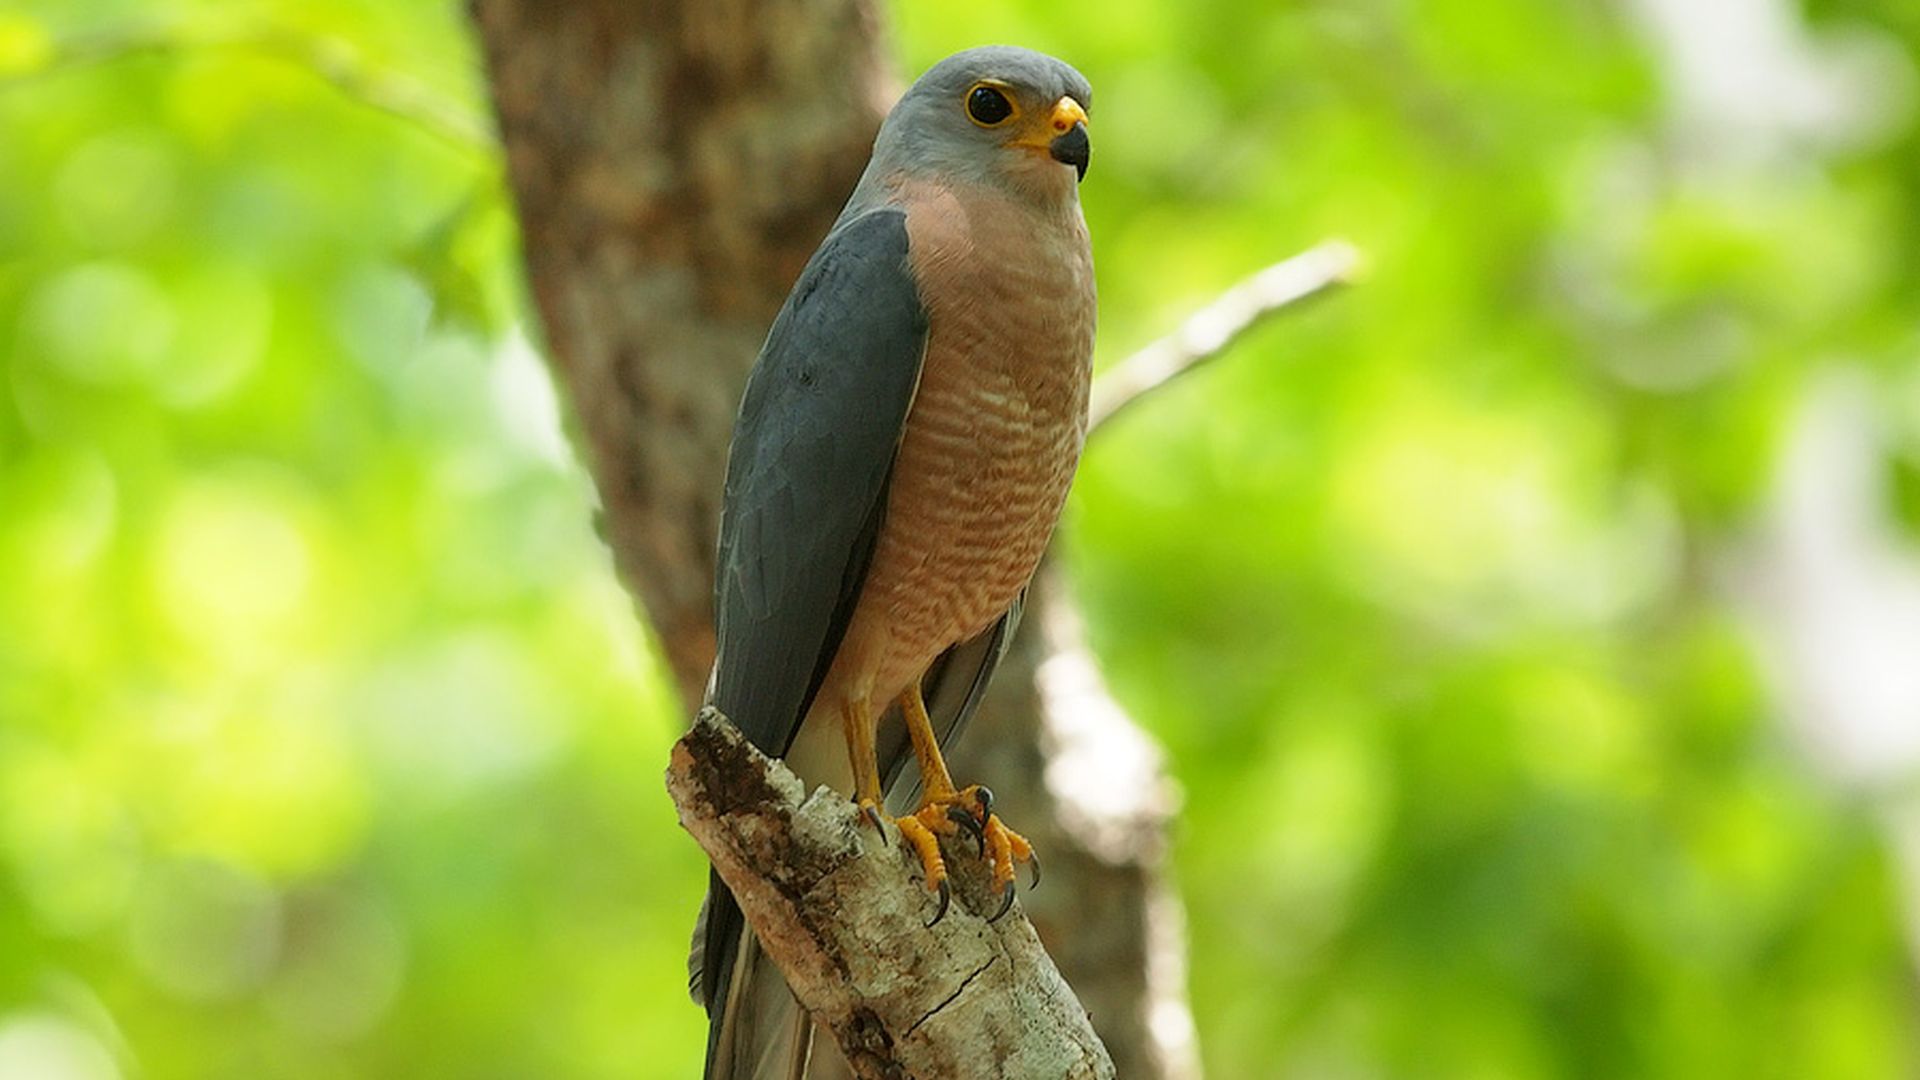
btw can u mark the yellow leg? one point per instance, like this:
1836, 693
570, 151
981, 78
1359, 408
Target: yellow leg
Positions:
935, 781
856, 722
944, 810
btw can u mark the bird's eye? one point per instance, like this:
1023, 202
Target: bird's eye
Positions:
987, 106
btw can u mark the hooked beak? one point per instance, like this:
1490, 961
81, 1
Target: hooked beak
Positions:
1070, 145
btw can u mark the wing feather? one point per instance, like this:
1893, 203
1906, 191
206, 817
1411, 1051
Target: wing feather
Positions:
812, 452
807, 476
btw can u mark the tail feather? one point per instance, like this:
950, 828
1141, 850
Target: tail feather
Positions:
762, 1033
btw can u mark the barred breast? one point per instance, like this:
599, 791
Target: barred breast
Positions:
993, 437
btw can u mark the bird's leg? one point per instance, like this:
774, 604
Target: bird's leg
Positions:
936, 784
856, 723
944, 809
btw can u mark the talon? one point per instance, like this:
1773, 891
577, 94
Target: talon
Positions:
1006, 848
1006, 903
946, 897
970, 810
983, 795
871, 812
959, 816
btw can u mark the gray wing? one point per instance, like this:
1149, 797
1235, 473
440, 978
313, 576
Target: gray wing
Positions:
807, 476
813, 449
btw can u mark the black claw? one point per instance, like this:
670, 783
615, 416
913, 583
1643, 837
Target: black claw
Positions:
983, 795
1033, 862
1006, 903
946, 897
872, 814
959, 816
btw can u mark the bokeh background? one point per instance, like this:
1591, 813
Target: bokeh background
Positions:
1533, 629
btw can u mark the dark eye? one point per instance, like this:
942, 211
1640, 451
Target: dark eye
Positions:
988, 106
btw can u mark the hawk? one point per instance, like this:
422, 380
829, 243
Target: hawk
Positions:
901, 456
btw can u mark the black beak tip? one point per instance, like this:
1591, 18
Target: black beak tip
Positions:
1073, 149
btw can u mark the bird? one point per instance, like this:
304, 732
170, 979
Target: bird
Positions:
901, 456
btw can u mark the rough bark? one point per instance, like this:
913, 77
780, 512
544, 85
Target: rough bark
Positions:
674, 164
843, 914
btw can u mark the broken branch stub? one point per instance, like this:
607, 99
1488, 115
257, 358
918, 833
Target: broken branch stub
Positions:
842, 912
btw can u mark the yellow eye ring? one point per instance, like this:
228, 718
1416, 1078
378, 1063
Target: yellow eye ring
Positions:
988, 104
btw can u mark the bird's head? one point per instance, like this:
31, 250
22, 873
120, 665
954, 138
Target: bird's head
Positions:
997, 114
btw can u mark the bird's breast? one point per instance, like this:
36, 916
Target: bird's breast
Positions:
997, 424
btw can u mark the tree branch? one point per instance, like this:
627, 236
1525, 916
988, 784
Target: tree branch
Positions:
842, 913
1213, 329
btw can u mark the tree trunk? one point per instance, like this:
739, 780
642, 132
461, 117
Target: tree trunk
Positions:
675, 163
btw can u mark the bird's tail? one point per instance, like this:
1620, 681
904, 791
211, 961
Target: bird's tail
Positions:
755, 1028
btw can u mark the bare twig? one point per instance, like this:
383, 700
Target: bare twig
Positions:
1210, 331
842, 913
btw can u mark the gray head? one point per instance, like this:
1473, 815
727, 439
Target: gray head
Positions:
997, 115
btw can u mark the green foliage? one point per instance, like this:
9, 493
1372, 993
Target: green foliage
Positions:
329, 746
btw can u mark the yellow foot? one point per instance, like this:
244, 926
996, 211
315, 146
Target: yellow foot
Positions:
969, 810
1007, 847
923, 829
1002, 845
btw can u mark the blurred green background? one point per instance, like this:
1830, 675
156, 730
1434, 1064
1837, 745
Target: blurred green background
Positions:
1534, 629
